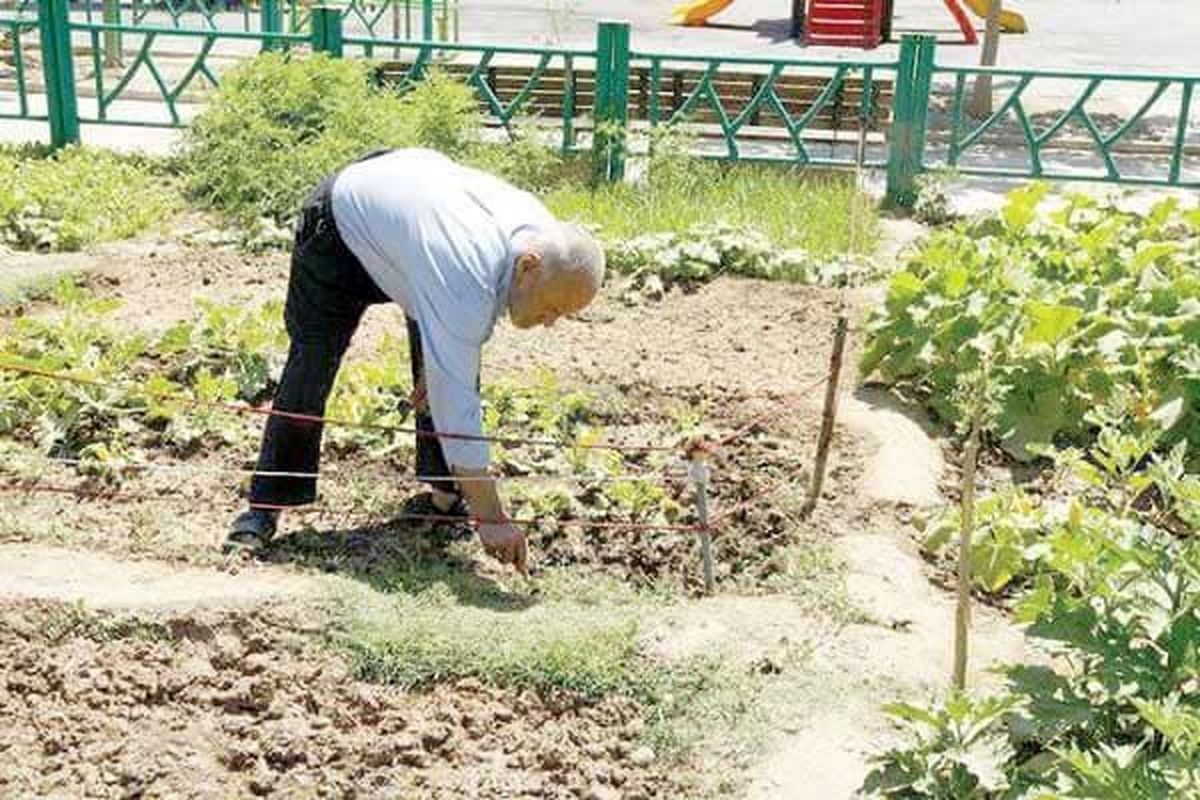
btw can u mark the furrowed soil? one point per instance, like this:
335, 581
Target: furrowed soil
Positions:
724, 354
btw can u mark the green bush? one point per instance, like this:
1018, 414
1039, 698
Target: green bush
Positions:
1118, 485
1085, 308
280, 124
1116, 714
78, 196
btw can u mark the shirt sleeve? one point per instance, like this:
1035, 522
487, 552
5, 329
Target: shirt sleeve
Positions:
452, 385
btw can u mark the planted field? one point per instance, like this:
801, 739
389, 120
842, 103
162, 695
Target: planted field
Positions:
155, 462
1029, 440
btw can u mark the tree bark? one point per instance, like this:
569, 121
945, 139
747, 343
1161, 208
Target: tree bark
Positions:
981, 96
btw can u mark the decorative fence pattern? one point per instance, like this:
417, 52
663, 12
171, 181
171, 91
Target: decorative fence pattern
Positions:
511, 83
768, 110
425, 19
18, 37
1148, 145
908, 115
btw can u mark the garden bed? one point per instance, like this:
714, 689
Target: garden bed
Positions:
249, 704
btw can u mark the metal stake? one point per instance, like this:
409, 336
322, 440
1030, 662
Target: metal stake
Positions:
698, 472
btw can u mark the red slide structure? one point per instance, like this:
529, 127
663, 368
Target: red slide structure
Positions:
964, 23
845, 23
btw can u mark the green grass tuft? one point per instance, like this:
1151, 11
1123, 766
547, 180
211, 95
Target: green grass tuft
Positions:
808, 211
416, 641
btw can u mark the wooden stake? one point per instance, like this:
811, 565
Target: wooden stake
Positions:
699, 475
962, 615
828, 416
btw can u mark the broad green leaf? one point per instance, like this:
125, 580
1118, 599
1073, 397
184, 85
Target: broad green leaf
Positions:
1020, 208
1049, 323
995, 562
905, 286
955, 281
1147, 254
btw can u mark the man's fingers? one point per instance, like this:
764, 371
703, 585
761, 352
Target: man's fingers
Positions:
514, 551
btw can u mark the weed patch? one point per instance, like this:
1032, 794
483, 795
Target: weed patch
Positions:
809, 213
78, 197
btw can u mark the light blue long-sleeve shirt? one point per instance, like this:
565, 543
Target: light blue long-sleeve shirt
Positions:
440, 239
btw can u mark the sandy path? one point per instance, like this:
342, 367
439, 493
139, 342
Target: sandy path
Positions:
35, 572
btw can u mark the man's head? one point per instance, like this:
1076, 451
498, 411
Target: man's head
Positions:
558, 272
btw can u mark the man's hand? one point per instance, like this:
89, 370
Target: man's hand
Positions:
502, 540
506, 543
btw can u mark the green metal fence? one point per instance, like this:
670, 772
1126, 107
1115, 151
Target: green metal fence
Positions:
542, 81
18, 34
161, 91
427, 19
804, 112
908, 115
1151, 144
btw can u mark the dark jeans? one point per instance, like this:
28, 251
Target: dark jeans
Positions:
328, 291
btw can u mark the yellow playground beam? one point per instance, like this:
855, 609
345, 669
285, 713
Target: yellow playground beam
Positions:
697, 12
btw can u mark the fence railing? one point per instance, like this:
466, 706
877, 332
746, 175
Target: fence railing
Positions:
908, 115
510, 82
408, 19
770, 110
15, 38
1154, 142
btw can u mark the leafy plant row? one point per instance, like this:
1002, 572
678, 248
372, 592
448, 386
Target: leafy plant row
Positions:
1114, 712
1084, 307
1074, 335
78, 197
149, 385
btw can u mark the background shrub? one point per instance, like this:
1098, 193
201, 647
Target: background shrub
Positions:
1083, 310
280, 124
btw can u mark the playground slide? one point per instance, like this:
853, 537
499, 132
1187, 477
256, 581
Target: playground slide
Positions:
697, 12
1010, 21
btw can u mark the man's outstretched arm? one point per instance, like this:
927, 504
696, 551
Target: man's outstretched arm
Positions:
451, 389
499, 536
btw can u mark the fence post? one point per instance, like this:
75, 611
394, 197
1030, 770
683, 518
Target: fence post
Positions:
270, 21
906, 154
326, 30
612, 102
58, 71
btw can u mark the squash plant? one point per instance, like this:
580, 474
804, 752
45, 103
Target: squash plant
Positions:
1077, 308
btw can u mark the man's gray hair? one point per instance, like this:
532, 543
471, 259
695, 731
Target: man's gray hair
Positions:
570, 249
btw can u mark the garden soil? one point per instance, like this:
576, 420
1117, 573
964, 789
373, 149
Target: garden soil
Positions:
230, 693
215, 706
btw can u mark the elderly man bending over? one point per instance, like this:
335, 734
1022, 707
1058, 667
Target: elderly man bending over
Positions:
455, 247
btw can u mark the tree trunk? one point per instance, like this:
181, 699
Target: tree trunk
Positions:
981, 97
